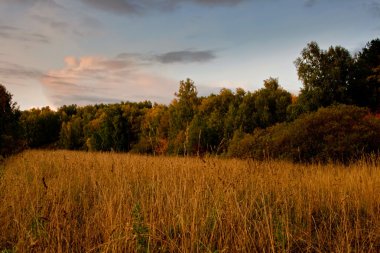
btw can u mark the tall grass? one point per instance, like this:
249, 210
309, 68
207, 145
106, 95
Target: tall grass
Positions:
61, 201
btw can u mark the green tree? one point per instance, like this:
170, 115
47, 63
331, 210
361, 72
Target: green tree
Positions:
365, 85
325, 76
217, 112
71, 134
40, 126
271, 104
9, 126
67, 111
182, 111
187, 102
245, 120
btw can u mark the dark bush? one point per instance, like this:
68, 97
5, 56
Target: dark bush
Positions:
337, 133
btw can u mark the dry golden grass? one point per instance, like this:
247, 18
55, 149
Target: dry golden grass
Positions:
61, 201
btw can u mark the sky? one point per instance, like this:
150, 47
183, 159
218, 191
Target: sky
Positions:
61, 52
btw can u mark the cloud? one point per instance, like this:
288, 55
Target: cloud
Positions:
118, 6
95, 79
182, 56
15, 71
50, 3
64, 21
53, 18
61, 26
82, 99
141, 6
186, 56
14, 33
218, 2
310, 3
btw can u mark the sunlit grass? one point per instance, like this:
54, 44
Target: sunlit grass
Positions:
61, 201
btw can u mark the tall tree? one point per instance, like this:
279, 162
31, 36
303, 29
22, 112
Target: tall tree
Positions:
187, 101
9, 126
271, 103
182, 111
365, 85
325, 76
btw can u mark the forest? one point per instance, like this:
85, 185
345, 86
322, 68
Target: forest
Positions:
335, 117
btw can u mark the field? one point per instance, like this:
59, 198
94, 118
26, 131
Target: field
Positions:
66, 201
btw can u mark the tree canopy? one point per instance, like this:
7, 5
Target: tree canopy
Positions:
9, 125
334, 76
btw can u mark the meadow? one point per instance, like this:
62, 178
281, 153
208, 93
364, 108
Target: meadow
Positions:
68, 201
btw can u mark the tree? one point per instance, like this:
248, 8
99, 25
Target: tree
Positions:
325, 76
365, 84
154, 131
71, 134
40, 126
9, 126
182, 111
187, 102
271, 103
245, 121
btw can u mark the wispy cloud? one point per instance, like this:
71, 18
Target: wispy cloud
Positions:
83, 99
51, 17
118, 6
15, 33
61, 26
218, 2
310, 3
15, 71
49, 3
97, 79
64, 21
141, 6
186, 56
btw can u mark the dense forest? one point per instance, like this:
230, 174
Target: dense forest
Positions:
335, 116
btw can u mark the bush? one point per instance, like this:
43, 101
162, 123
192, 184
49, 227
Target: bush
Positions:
337, 133
241, 145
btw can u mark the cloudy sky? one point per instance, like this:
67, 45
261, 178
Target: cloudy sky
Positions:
55, 52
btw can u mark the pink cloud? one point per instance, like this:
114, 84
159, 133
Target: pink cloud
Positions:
100, 79
71, 61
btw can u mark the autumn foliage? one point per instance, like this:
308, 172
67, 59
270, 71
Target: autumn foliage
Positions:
337, 133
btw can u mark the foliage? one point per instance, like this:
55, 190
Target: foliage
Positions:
271, 104
365, 86
242, 145
181, 112
334, 76
338, 133
325, 76
9, 124
40, 126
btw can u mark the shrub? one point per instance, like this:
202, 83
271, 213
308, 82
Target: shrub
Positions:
337, 133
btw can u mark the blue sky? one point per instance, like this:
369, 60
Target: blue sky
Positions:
55, 52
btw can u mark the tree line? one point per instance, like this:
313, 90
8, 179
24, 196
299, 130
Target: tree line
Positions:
332, 118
